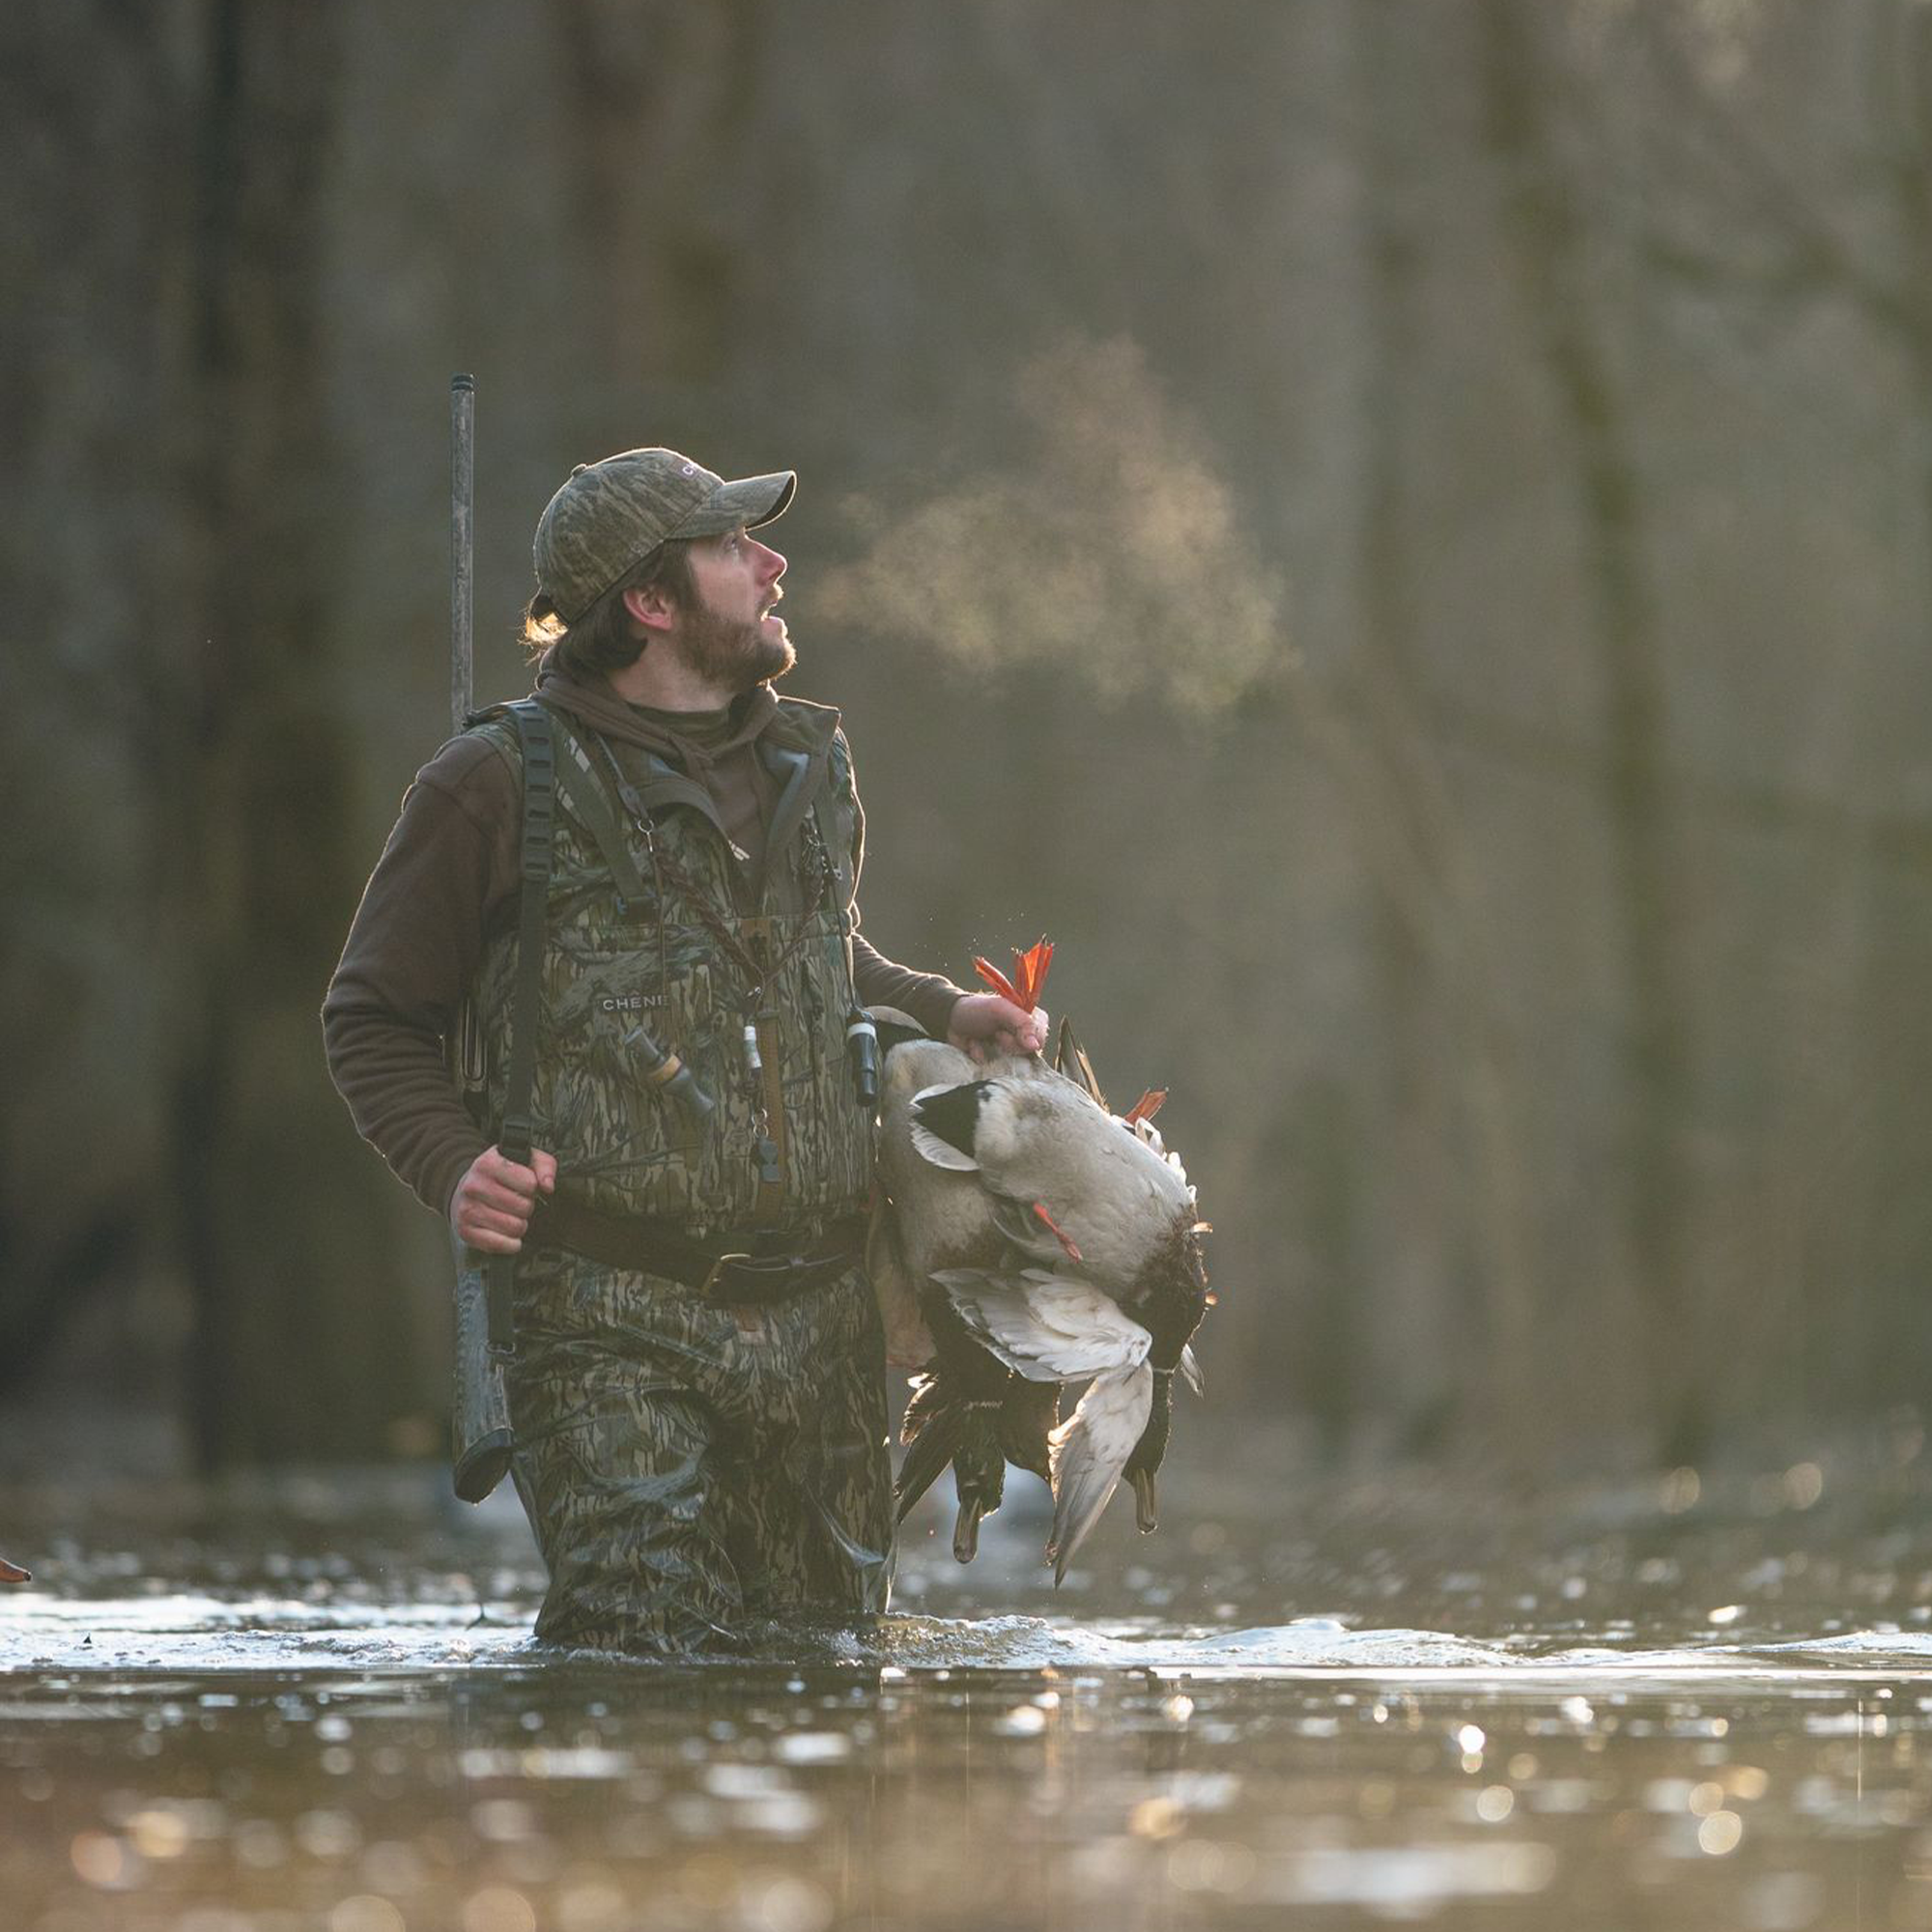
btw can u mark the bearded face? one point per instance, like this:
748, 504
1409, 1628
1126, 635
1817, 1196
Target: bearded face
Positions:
735, 652
725, 634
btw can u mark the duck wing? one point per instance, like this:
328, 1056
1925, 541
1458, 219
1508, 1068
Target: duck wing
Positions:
953, 1399
1089, 1451
1070, 1059
1048, 1327
929, 1432
1052, 1328
970, 1411
976, 1436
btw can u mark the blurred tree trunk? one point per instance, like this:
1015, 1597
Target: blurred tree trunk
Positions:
1789, 234
297, 1350
1898, 1053
1417, 1251
84, 394
1458, 1286
1544, 230
658, 91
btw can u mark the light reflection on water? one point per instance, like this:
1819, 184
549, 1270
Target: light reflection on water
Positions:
277, 1714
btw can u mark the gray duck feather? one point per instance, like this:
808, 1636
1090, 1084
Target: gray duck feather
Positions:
1063, 1242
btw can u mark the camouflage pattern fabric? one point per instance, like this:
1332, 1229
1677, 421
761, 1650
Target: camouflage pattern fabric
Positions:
611, 515
611, 967
688, 1469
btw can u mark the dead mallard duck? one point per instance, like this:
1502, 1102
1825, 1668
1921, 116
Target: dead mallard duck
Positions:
1063, 1240
969, 1410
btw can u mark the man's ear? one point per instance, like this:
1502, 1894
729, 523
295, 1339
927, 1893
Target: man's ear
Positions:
651, 608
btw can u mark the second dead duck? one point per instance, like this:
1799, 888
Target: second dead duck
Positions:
1111, 1282
1062, 1242
969, 1409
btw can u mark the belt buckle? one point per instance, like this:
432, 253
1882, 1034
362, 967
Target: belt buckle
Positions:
718, 1267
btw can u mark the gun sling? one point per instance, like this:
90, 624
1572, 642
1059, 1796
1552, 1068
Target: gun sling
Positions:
514, 1136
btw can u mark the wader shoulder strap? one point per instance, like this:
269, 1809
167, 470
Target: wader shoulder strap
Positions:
586, 798
514, 1136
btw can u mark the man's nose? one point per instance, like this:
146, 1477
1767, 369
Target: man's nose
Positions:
774, 566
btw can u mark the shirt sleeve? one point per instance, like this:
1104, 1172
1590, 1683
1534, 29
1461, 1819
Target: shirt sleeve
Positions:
928, 997
447, 876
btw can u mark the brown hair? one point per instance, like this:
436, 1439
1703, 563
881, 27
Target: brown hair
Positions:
607, 637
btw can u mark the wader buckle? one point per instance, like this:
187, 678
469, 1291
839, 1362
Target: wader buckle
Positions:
718, 1267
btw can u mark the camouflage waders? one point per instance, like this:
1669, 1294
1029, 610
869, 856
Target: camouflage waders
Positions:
688, 1469
686, 1466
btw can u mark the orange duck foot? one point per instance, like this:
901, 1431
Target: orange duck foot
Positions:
1029, 980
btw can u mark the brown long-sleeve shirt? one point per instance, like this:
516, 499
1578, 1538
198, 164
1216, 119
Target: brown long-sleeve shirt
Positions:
450, 878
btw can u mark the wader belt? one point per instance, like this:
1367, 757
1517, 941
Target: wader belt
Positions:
721, 1269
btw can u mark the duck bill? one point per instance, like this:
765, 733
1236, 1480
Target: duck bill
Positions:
966, 1533
12, 1573
1147, 1500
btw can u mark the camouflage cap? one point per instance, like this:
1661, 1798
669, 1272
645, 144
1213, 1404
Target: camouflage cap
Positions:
609, 515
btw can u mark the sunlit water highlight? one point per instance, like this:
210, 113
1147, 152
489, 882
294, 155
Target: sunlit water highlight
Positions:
256, 1634
319, 1709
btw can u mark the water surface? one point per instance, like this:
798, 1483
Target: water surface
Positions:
316, 1705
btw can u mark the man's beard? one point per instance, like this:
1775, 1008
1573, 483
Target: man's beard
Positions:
730, 652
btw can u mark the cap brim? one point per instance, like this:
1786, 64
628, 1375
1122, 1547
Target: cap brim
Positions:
751, 501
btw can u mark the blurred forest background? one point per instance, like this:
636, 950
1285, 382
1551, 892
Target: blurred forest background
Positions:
1398, 531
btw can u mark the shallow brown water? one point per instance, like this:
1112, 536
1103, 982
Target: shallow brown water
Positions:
276, 1709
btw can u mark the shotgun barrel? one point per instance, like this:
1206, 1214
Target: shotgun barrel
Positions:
461, 545
480, 1409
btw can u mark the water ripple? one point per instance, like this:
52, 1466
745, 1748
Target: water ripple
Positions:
206, 1635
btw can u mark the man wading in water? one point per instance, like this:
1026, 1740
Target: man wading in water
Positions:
696, 1389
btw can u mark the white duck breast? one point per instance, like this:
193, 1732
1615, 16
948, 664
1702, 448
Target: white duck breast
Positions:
1042, 1138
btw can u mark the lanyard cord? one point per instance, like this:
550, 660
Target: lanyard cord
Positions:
757, 977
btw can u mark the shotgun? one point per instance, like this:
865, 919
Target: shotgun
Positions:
480, 1416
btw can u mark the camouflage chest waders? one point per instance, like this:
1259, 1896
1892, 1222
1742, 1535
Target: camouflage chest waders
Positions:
685, 1465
